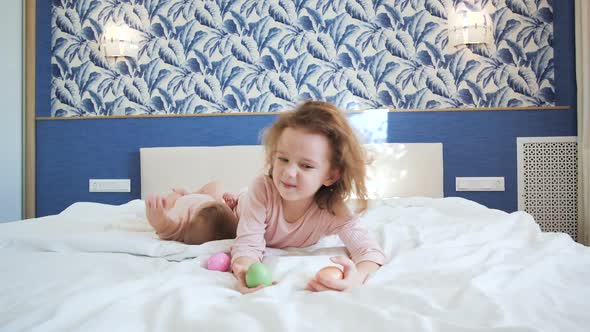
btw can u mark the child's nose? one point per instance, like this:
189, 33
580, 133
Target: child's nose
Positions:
291, 170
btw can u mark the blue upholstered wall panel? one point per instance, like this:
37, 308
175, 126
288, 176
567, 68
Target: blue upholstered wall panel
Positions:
475, 144
69, 152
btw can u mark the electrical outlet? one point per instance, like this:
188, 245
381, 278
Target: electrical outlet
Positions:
479, 184
109, 185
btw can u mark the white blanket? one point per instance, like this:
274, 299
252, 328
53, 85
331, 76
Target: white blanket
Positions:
455, 266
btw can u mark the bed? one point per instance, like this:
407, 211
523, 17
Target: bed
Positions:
455, 265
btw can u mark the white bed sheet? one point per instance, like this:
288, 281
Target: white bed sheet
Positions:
455, 266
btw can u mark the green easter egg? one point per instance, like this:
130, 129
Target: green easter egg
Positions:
258, 274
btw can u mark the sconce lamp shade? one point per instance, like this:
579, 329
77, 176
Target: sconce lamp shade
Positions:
467, 27
120, 41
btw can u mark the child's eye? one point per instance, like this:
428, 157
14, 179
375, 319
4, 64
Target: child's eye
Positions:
283, 159
307, 166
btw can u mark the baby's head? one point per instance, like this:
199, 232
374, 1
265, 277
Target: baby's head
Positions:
213, 221
347, 153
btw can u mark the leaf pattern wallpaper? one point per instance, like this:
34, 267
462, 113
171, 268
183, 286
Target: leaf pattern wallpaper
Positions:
215, 56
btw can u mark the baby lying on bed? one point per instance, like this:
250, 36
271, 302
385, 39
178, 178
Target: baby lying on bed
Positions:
206, 214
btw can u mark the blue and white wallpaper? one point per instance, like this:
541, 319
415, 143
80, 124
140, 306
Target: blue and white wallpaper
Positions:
211, 56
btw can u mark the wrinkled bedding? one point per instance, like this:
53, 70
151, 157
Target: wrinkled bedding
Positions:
454, 265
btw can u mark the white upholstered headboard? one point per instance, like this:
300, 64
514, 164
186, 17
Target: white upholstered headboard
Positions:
397, 170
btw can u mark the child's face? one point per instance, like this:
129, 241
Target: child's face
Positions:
302, 165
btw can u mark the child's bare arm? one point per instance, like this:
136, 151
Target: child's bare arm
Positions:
166, 228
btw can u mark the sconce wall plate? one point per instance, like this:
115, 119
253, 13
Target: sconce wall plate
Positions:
467, 27
120, 41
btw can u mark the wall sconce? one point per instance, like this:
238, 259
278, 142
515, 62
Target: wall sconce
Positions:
120, 40
466, 27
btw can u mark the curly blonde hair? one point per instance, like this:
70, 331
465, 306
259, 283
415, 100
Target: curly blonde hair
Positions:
348, 154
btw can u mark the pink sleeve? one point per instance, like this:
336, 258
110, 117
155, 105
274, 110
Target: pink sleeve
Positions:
360, 244
250, 240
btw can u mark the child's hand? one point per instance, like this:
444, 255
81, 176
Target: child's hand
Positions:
165, 227
155, 205
155, 210
352, 277
230, 199
239, 268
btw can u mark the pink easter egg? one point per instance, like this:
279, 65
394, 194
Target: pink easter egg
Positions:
219, 262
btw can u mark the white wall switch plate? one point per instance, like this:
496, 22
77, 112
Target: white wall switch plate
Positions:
479, 184
109, 185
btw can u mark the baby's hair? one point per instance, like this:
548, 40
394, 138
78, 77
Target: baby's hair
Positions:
348, 155
215, 221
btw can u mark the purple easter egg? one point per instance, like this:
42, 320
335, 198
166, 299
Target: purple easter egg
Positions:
219, 262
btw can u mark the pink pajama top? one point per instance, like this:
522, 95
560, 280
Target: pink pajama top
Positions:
261, 224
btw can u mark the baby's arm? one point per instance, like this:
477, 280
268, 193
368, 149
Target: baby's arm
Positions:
166, 228
213, 189
171, 198
180, 191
